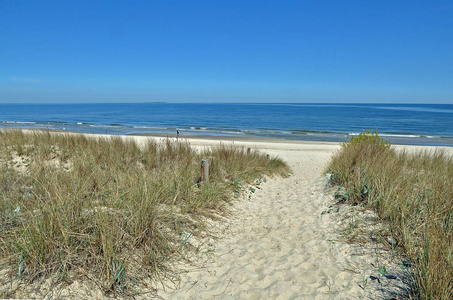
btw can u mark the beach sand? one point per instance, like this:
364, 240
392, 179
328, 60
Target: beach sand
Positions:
285, 242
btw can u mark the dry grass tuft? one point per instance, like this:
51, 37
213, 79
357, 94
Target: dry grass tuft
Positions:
124, 208
414, 194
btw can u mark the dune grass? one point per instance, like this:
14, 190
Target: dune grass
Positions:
108, 206
413, 193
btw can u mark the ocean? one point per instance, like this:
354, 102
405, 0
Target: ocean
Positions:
413, 124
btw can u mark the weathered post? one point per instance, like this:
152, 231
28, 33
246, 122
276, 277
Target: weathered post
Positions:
204, 171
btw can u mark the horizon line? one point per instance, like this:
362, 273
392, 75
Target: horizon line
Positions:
176, 102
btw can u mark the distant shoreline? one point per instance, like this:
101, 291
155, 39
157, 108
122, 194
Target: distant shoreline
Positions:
245, 138
403, 141
438, 142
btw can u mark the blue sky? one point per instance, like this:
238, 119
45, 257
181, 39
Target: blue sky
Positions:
226, 51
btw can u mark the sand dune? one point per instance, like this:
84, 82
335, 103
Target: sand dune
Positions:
285, 242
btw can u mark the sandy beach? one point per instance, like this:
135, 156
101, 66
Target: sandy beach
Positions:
286, 241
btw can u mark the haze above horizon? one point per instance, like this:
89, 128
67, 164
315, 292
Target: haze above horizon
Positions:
234, 51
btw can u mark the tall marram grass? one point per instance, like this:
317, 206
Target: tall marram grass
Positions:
125, 209
413, 192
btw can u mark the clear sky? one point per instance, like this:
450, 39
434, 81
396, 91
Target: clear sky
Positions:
226, 51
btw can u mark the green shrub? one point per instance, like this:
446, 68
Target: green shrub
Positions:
367, 137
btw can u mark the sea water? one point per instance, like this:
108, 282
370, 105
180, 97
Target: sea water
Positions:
419, 124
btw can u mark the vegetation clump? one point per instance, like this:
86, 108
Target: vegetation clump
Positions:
366, 137
413, 193
72, 204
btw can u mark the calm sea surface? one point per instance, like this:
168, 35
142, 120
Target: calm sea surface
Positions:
405, 124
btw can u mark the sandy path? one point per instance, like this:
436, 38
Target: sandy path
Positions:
278, 245
277, 249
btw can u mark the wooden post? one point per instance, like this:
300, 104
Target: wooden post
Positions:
205, 171
248, 150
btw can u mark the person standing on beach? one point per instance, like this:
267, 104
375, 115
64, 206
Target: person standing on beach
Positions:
177, 134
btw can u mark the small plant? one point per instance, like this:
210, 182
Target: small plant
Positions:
327, 211
21, 266
343, 197
382, 271
366, 137
237, 186
404, 264
364, 283
185, 238
118, 271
